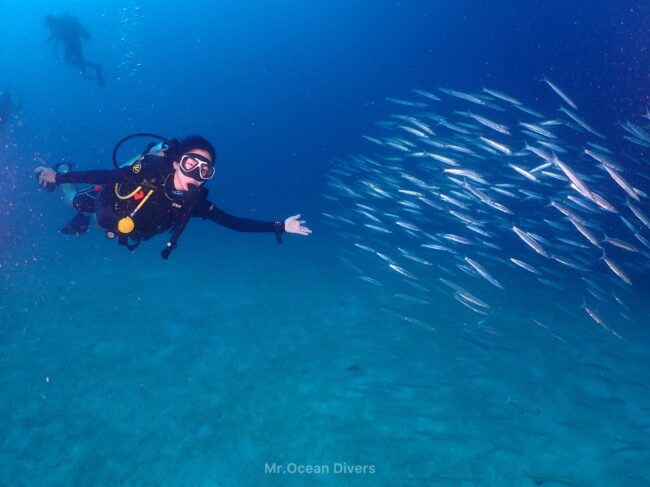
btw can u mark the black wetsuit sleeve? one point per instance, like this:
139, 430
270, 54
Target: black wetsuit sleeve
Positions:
99, 176
206, 209
105, 176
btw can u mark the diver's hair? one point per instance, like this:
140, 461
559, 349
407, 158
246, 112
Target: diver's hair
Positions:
197, 142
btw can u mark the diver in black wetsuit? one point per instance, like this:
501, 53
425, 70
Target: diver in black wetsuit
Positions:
70, 32
158, 192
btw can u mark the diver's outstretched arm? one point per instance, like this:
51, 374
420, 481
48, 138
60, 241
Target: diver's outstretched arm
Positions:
47, 175
293, 224
206, 209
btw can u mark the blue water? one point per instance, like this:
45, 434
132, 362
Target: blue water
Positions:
120, 368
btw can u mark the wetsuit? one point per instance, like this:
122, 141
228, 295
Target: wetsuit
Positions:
164, 206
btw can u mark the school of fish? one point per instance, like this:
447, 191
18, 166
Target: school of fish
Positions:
472, 194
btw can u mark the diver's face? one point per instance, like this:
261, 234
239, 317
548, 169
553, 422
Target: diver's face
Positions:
182, 182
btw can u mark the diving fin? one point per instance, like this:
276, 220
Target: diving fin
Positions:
78, 225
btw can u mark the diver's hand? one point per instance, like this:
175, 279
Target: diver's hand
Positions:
294, 225
45, 175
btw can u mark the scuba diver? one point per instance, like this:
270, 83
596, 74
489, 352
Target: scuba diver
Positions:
158, 191
67, 29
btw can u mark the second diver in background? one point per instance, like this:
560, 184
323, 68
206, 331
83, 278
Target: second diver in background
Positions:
68, 30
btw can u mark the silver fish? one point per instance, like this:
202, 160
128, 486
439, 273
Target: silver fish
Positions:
444, 159
369, 215
620, 180
465, 218
469, 304
540, 167
603, 203
562, 95
398, 146
585, 232
617, 270
490, 124
408, 226
639, 214
399, 101
569, 263
365, 247
410, 192
373, 140
578, 183
528, 110
538, 130
484, 274
402, 271
438, 247
463, 96
525, 266
581, 122
371, 280
421, 125
530, 241
453, 201
419, 323
502, 96
621, 244
496, 145
524, 173
426, 94
472, 299
377, 228
473, 175
594, 316
457, 239
411, 130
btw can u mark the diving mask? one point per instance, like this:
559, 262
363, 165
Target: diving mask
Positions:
196, 166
